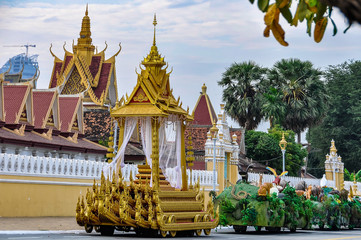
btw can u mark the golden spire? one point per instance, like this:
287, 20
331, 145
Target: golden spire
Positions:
85, 40
154, 58
155, 24
333, 149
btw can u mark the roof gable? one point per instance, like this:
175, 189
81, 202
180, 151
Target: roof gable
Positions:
43, 102
15, 97
68, 108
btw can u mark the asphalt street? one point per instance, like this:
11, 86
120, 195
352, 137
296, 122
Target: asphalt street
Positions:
223, 233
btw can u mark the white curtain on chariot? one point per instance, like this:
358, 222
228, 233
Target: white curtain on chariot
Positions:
118, 161
170, 150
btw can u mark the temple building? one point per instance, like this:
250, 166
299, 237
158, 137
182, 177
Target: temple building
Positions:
204, 117
42, 123
86, 71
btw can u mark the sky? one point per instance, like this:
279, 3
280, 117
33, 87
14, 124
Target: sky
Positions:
199, 39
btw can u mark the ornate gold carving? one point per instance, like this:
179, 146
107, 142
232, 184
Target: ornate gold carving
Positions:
74, 84
141, 97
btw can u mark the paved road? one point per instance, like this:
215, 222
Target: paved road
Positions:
224, 233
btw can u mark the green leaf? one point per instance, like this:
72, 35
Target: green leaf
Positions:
263, 5
251, 1
333, 23
347, 28
312, 3
321, 9
286, 13
309, 24
302, 11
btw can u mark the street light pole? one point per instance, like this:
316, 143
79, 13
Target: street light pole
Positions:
214, 131
283, 157
283, 145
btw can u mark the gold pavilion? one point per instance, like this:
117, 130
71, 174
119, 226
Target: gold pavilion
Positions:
153, 202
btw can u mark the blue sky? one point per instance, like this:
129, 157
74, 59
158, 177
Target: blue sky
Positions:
199, 39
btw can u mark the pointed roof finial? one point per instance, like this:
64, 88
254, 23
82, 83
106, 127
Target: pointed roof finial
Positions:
86, 11
154, 23
204, 89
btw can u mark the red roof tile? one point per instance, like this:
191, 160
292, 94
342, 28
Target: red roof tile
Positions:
57, 68
13, 98
94, 66
103, 79
67, 60
202, 115
67, 108
41, 105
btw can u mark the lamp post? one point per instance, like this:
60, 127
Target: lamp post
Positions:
283, 145
214, 131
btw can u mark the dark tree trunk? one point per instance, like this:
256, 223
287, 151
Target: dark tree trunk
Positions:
299, 137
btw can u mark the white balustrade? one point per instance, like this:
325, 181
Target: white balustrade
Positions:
47, 166
205, 177
73, 168
348, 184
254, 177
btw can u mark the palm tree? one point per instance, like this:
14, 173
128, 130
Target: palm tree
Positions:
241, 94
273, 107
303, 92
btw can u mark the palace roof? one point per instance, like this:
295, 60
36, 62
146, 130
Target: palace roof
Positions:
43, 118
86, 71
203, 112
152, 96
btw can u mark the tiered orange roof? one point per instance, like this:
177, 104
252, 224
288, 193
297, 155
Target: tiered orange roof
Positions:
86, 71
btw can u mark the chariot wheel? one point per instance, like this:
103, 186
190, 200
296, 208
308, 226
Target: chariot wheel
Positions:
206, 218
88, 228
171, 219
163, 233
97, 228
198, 218
106, 230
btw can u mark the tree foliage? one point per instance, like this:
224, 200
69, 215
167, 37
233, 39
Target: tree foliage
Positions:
343, 120
241, 93
304, 97
264, 147
352, 176
315, 13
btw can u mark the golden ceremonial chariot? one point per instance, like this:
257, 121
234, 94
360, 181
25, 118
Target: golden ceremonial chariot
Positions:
148, 204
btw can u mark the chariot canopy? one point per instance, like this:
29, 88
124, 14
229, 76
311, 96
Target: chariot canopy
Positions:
161, 118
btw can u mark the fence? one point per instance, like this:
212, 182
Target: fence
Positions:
12, 164
347, 185
254, 177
